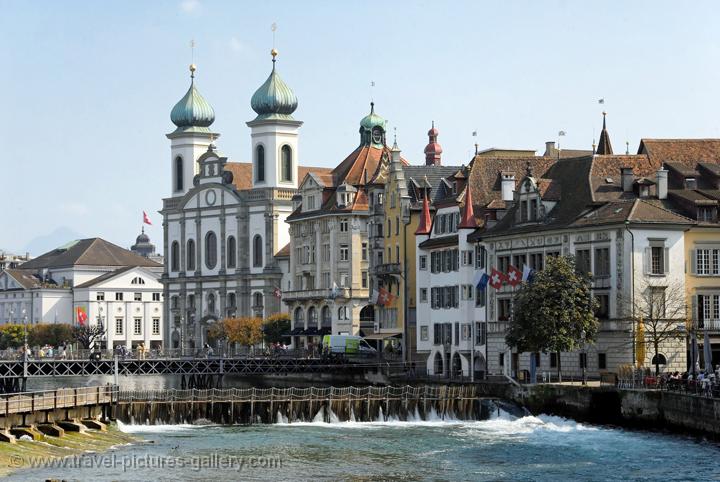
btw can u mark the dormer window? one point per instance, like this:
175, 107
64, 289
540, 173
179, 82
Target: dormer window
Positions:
690, 183
706, 214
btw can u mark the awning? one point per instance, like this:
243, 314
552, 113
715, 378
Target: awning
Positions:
382, 336
297, 331
312, 331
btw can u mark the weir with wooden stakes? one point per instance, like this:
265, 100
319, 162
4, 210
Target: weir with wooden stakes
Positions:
278, 405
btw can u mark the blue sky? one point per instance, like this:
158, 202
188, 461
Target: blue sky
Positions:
88, 87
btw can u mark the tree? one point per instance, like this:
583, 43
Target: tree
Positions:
660, 310
52, 334
276, 327
11, 336
87, 335
216, 332
555, 312
246, 331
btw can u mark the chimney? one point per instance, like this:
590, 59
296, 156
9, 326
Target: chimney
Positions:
661, 185
507, 183
549, 148
626, 176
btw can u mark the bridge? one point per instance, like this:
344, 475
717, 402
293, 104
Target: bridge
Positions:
194, 372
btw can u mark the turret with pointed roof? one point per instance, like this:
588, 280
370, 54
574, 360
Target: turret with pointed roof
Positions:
604, 147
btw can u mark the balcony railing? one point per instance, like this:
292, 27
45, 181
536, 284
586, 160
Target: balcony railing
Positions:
387, 269
319, 294
713, 325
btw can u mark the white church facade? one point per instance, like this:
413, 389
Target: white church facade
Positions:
225, 236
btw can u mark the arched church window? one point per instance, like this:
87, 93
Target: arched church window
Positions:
258, 300
287, 163
190, 255
211, 303
210, 250
231, 252
257, 251
175, 256
259, 164
179, 182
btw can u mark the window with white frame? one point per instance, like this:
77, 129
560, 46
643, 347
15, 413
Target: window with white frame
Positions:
137, 326
118, 326
344, 252
100, 296
344, 280
156, 326
707, 262
343, 225
137, 296
364, 279
423, 295
424, 333
422, 262
156, 296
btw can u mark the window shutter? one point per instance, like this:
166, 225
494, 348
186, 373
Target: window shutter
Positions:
666, 260
696, 308
693, 261
647, 261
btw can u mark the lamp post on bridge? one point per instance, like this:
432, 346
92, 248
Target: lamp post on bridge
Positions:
25, 336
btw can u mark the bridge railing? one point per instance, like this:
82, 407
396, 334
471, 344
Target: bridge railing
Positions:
428, 392
27, 402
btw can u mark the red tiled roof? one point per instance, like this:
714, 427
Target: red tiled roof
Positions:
685, 151
242, 173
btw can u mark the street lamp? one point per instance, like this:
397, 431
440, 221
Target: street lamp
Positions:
101, 324
25, 344
584, 358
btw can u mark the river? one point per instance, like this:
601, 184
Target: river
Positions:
502, 448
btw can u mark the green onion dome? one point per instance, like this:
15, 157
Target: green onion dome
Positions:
274, 99
192, 110
372, 120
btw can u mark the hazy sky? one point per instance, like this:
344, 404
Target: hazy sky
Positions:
87, 87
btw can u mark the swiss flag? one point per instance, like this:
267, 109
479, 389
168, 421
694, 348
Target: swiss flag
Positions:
497, 278
81, 315
277, 293
514, 276
385, 298
146, 219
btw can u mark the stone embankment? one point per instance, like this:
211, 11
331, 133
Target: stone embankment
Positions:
647, 409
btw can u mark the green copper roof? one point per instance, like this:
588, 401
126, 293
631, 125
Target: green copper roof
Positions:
192, 110
372, 119
274, 99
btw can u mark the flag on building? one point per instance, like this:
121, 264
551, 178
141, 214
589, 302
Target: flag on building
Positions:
497, 278
81, 315
335, 291
277, 292
146, 219
528, 274
481, 279
601, 101
514, 276
385, 298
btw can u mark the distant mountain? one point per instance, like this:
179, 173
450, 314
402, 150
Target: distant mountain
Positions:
58, 237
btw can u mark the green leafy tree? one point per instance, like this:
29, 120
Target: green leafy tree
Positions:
554, 313
276, 327
11, 336
52, 334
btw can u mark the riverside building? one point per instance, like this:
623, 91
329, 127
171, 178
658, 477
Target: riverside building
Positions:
612, 212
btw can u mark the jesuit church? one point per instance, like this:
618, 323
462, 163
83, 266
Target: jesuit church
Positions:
225, 236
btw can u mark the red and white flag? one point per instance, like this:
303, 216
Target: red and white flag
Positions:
146, 219
81, 315
497, 278
385, 298
514, 276
277, 293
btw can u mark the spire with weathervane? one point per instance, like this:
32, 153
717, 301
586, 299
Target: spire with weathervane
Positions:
604, 147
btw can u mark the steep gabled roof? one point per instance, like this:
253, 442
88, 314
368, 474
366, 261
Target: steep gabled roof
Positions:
89, 252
